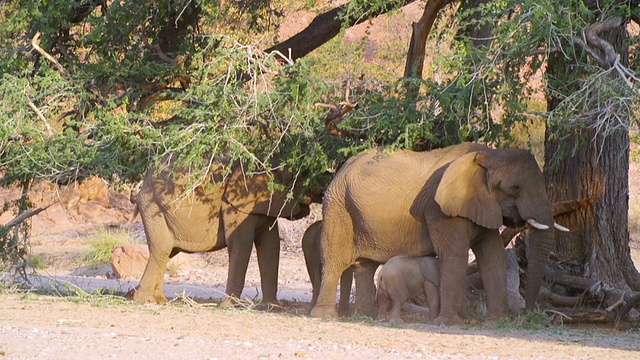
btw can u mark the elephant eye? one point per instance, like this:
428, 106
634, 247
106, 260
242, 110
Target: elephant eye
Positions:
515, 188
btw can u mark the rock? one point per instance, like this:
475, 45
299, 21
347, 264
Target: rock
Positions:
129, 260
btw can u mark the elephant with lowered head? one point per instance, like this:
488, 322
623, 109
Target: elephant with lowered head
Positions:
443, 202
234, 211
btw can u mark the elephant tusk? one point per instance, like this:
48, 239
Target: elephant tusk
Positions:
537, 225
560, 227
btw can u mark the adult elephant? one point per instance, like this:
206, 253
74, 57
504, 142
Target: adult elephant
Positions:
443, 202
234, 211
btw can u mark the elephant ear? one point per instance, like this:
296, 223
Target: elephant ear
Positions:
265, 194
463, 191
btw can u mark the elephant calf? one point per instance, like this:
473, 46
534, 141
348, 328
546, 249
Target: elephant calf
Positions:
403, 277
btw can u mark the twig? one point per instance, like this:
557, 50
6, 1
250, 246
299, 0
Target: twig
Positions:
617, 304
41, 116
34, 43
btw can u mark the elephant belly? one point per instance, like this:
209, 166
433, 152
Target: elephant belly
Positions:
381, 243
197, 233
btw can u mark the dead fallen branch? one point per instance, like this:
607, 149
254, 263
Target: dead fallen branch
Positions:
36, 45
24, 216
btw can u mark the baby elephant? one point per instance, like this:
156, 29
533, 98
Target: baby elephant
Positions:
404, 277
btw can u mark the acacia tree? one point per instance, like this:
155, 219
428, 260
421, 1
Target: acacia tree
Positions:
110, 88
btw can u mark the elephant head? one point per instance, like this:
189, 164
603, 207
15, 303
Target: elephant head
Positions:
493, 187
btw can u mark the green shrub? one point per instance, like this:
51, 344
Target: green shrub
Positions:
102, 244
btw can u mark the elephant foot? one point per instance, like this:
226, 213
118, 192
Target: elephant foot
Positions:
496, 318
453, 320
370, 310
149, 297
324, 312
395, 321
345, 311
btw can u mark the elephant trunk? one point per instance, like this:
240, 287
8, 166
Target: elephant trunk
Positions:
539, 246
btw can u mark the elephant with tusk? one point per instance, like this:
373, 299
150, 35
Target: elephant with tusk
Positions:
439, 203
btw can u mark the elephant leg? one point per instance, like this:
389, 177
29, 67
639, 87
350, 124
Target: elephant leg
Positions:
316, 280
326, 304
453, 269
337, 256
268, 251
433, 298
240, 234
365, 287
492, 264
151, 287
396, 307
450, 237
311, 250
346, 280
384, 303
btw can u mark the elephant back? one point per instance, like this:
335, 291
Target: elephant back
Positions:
276, 194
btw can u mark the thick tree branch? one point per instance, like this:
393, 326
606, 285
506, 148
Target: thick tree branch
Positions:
81, 12
608, 55
41, 116
421, 30
24, 216
325, 27
177, 24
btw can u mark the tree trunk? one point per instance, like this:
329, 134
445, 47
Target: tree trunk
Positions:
599, 234
587, 164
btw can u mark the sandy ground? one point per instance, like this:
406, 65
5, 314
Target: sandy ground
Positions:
45, 328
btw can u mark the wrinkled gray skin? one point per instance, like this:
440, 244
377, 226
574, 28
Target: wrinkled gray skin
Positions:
313, 260
404, 277
236, 212
442, 202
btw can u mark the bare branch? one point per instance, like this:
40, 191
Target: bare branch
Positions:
41, 116
550, 50
421, 31
592, 36
34, 43
24, 216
